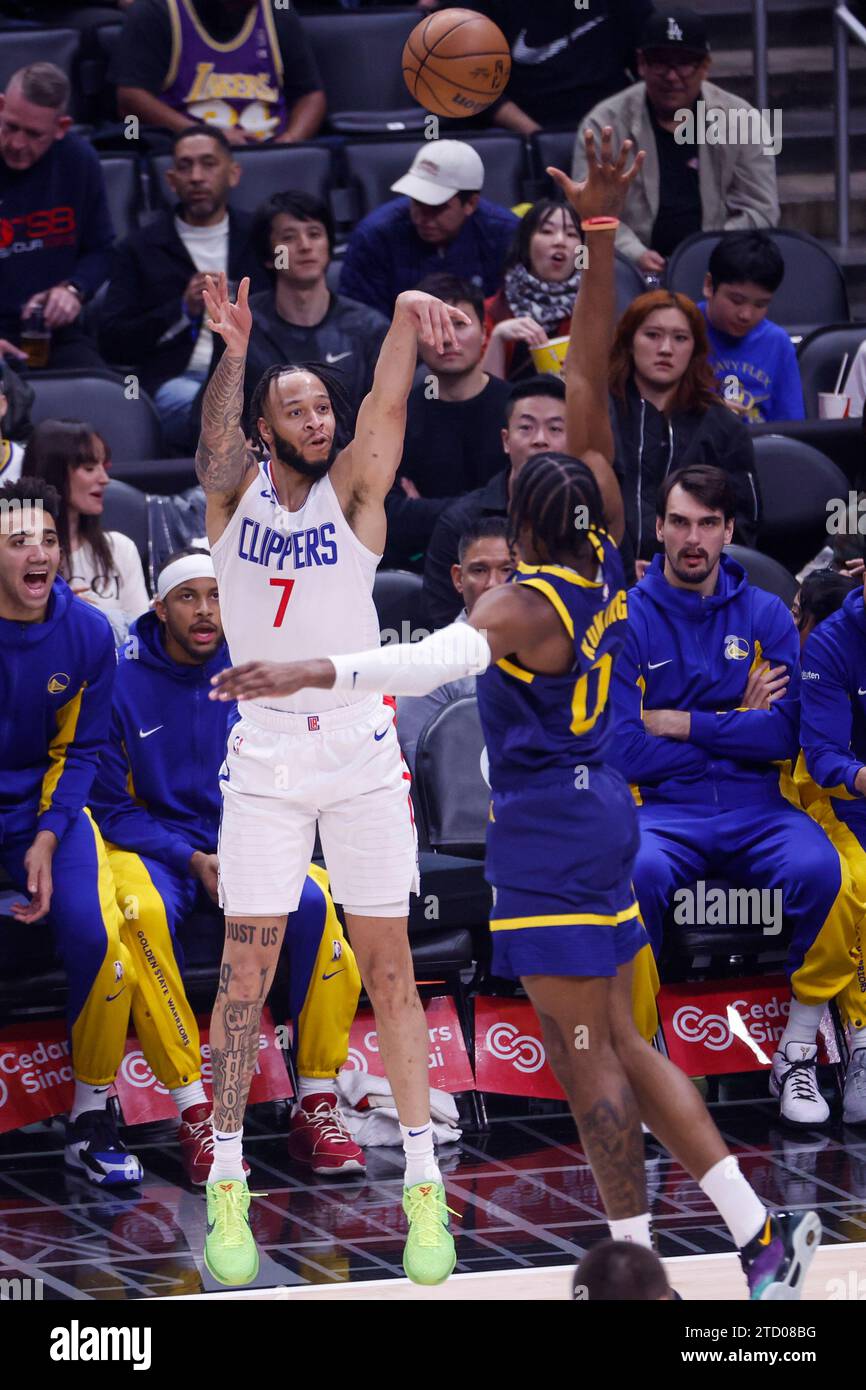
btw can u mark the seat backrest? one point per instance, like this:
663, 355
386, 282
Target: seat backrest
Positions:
765, 572
397, 596
125, 509
131, 426
629, 282
812, 292
58, 46
796, 482
373, 166
299, 168
449, 783
360, 56
820, 356
123, 190
554, 147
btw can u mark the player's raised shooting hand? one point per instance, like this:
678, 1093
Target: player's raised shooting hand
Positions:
433, 321
258, 680
603, 192
233, 322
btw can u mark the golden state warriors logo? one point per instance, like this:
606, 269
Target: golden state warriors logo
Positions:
58, 683
736, 649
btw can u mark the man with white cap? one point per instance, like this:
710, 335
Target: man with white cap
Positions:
441, 223
157, 801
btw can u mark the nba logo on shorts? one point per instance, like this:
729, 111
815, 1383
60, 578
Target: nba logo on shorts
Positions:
313, 723
336, 950
236, 743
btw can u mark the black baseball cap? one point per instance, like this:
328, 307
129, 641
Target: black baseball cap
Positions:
675, 28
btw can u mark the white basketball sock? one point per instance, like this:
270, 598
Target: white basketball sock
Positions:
734, 1199
802, 1027
421, 1165
88, 1097
228, 1156
193, 1093
636, 1228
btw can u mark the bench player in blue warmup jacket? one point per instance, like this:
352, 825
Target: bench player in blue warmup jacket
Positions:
833, 735
57, 665
712, 775
563, 832
156, 799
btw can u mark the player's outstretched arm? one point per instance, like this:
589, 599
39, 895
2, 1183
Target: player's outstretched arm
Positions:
601, 195
369, 466
223, 457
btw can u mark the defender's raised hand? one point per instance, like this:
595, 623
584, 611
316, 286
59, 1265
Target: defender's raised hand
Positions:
433, 320
233, 322
603, 192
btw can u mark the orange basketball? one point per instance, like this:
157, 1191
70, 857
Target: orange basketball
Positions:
456, 62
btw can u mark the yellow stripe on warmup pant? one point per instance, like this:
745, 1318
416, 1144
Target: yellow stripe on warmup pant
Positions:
644, 988
330, 1005
99, 1031
830, 964
565, 919
164, 1021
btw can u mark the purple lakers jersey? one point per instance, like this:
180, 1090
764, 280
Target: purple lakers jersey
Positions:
227, 84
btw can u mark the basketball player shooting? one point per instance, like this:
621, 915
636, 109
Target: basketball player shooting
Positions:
297, 527
561, 847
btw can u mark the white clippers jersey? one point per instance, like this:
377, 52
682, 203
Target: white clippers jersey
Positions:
295, 585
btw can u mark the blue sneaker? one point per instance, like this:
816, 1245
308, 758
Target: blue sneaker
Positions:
94, 1146
777, 1260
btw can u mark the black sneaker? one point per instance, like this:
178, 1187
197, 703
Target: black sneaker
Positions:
776, 1261
94, 1146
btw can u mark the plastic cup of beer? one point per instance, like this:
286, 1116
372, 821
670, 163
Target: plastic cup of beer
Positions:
832, 405
36, 339
551, 357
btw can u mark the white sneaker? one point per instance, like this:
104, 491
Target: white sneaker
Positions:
854, 1103
794, 1078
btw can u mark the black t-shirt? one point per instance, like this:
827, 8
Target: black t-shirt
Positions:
565, 59
143, 54
679, 213
453, 447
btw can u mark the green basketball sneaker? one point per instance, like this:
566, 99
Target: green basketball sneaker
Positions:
229, 1250
429, 1256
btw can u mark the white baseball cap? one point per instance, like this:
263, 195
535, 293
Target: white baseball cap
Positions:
440, 169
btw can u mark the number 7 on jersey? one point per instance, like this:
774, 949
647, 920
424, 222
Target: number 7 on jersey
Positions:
286, 585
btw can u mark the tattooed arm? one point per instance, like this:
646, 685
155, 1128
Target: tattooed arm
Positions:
224, 461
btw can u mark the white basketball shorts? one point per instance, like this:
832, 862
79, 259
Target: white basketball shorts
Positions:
283, 773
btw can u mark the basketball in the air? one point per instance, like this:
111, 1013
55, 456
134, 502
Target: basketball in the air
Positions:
456, 62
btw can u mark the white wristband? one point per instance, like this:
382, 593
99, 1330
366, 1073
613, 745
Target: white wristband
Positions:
415, 668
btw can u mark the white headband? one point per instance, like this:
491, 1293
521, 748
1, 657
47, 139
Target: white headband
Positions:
198, 566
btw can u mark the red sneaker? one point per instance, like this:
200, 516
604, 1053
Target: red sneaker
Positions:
318, 1137
195, 1137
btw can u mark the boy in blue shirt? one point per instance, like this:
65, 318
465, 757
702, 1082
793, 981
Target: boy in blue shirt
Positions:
753, 359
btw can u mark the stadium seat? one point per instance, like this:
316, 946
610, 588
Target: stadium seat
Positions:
796, 483
397, 596
629, 282
812, 293
373, 167
360, 60
765, 572
451, 791
57, 46
820, 356
306, 168
548, 147
125, 509
123, 191
130, 426
99, 93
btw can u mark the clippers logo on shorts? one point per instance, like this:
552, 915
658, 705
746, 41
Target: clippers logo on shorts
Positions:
313, 723
736, 649
275, 549
38, 230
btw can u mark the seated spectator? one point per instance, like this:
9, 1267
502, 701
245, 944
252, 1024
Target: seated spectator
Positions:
541, 282
11, 454
821, 593
442, 224
564, 59
56, 260
153, 317
621, 1271
58, 657
681, 190
855, 383
162, 849
705, 723
243, 65
534, 423
485, 560
753, 359
102, 567
454, 420
666, 415
298, 319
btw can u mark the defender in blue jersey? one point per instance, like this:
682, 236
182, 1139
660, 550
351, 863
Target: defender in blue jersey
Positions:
563, 834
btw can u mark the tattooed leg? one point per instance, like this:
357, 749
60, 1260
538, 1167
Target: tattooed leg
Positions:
250, 956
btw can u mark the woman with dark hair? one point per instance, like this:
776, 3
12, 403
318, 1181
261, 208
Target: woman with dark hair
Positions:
820, 594
537, 297
666, 415
102, 567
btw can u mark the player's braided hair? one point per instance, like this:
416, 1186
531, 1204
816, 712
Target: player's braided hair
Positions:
333, 384
557, 497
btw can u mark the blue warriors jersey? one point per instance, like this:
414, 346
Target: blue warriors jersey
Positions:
538, 724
